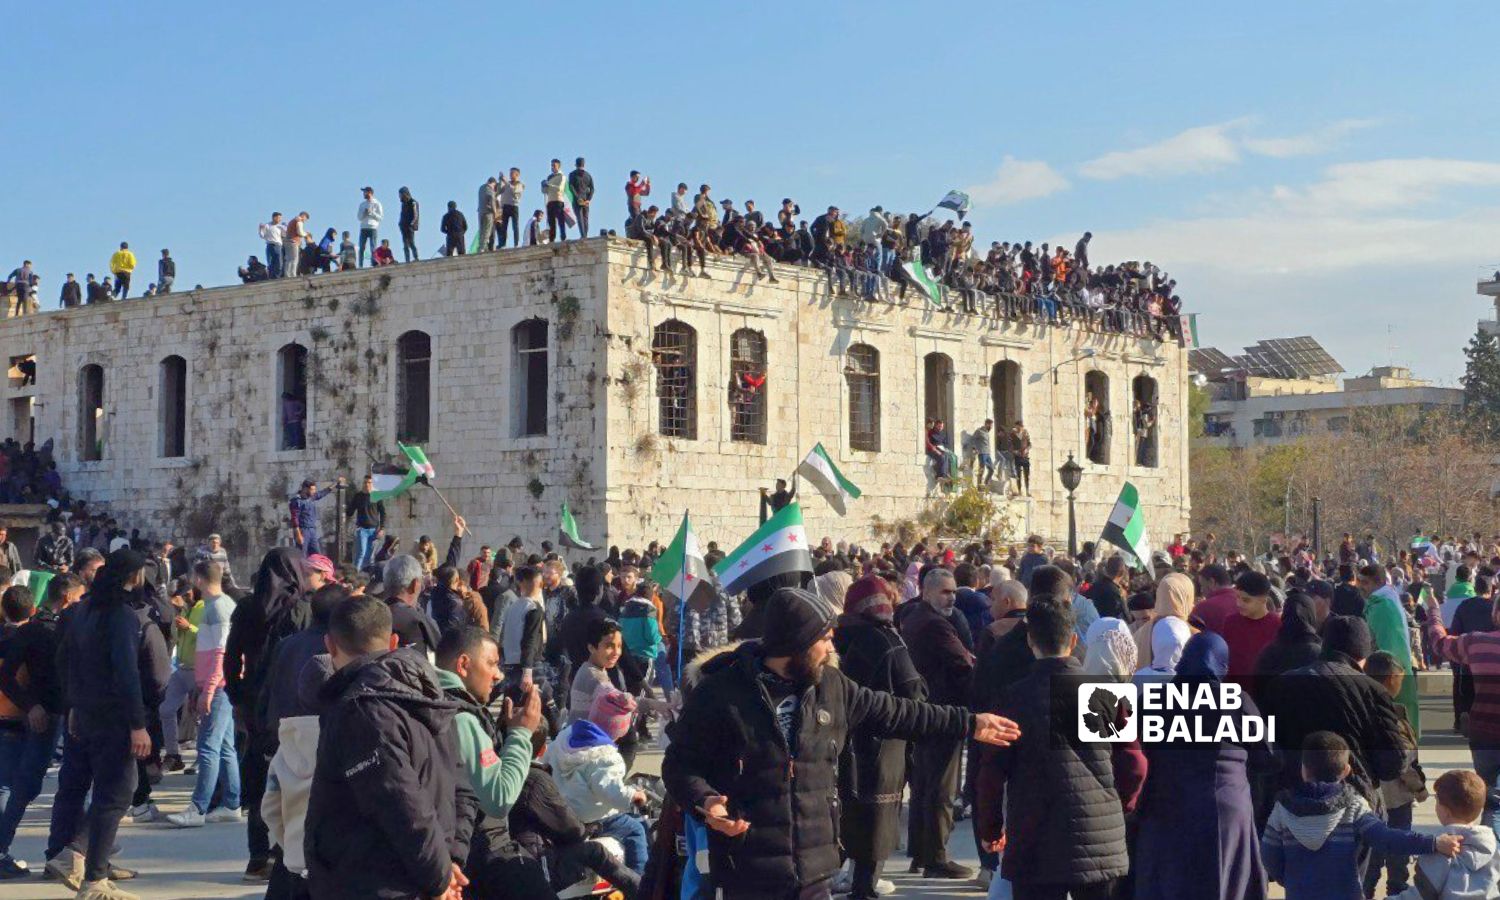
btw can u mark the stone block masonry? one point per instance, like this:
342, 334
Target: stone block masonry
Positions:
536, 382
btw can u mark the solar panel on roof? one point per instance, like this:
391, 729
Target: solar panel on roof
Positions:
1210, 361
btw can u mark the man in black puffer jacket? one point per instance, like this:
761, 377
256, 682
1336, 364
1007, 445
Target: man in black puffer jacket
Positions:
1060, 812
1333, 695
755, 751
390, 813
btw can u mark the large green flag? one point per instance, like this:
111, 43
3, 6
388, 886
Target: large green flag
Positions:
924, 280
1126, 527
389, 485
682, 572
567, 531
819, 469
777, 547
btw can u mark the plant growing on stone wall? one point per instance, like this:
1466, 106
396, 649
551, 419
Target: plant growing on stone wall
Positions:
971, 515
646, 445
568, 308
318, 333
333, 304
536, 488
631, 376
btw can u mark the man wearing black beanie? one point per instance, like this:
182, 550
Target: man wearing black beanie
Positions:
1333, 694
755, 751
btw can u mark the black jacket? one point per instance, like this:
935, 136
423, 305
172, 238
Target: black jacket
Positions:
582, 184
541, 818
1333, 695
72, 293
872, 769
938, 653
390, 809
411, 214
999, 663
454, 224
98, 661
1061, 814
727, 742
1296, 645
366, 514
413, 627
34, 646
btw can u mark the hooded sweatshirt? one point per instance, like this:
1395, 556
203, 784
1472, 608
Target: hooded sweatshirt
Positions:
1313, 839
1471, 875
1388, 623
289, 781
589, 772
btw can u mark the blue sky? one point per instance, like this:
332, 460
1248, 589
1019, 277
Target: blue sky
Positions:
1301, 168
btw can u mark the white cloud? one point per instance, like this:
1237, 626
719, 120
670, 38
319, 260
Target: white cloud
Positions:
1388, 184
1209, 147
1319, 140
1200, 149
1017, 180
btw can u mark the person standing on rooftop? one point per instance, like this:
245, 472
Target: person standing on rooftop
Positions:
122, 263
370, 213
582, 185
411, 215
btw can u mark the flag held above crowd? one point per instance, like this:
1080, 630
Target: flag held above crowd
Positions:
682, 572
567, 531
924, 280
958, 201
819, 469
777, 547
390, 485
1126, 527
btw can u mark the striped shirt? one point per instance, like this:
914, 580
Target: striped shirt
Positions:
1480, 651
213, 637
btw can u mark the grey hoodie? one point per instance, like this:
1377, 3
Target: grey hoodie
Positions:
1472, 875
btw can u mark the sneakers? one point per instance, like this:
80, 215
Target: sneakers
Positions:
884, 888
258, 872
188, 818
104, 889
984, 878
950, 870
146, 812
172, 763
120, 873
10, 867
67, 867
222, 814
842, 883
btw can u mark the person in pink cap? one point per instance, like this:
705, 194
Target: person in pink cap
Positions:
319, 571
590, 773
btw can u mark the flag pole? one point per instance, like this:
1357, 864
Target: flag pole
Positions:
441, 497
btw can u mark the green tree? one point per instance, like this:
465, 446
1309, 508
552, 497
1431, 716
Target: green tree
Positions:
1481, 378
1198, 400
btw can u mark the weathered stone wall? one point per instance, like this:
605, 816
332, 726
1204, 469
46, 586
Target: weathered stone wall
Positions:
626, 485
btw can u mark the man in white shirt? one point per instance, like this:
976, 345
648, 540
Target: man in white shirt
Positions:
370, 212
272, 232
511, 191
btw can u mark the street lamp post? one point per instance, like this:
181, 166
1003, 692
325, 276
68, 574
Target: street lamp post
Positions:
1318, 529
1071, 473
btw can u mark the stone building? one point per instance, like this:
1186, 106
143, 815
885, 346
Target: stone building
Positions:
529, 376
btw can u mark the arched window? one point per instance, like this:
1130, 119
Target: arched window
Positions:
747, 386
1096, 420
91, 413
937, 389
674, 353
529, 397
413, 387
171, 407
862, 374
291, 391
1143, 419
1005, 394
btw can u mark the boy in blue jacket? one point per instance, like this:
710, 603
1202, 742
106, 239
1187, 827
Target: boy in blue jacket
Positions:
1317, 831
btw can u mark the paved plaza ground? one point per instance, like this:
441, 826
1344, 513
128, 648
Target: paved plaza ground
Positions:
207, 862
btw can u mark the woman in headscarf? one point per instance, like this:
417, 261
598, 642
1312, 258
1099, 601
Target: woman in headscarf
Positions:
1296, 643
277, 606
1110, 656
832, 587
872, 770
1174, 601
1206, 786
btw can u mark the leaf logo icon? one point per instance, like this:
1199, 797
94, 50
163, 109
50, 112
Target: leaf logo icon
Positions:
1107, 714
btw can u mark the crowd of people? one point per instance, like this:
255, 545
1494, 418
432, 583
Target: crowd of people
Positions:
467, 726
874, 256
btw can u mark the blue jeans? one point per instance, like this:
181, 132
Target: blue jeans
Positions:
663, 672
631, 834
312, 542
216, 756
1397, 866
364, 541
273, 260
24, 756
370, 235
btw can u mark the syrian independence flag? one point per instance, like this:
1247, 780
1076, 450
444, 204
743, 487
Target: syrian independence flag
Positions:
567, 531
389, 485
819, 469
681, 572
36, 580
957, 201
777, 547
918, 273
1126, 527
569, 200
1190, 330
